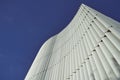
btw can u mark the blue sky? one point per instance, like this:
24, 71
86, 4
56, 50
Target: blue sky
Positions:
26, 24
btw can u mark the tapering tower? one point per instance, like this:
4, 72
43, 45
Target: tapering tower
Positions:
87, 49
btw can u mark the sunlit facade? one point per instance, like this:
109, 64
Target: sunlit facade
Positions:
87, 49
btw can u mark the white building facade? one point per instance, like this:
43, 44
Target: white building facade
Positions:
87, 49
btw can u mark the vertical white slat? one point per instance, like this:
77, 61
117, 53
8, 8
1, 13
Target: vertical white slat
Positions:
106, 65
109, 57
94, 68
97, 60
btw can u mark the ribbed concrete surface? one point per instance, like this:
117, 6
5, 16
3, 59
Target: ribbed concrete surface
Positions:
87, 49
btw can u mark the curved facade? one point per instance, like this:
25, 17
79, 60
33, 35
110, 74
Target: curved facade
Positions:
87, 49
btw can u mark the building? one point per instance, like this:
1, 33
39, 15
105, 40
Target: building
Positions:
87, 49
